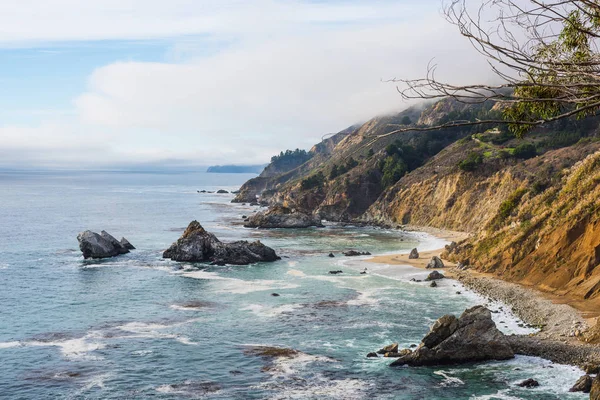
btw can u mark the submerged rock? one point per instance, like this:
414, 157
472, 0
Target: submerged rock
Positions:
282, 217
414, 254
398, 354
470, 338
372, 355
435, 275
435, 262
198, 245
529, 383
433, 284
339, 271
354, 253
392, 348
583, 384
331, 255
103, 245
271, 352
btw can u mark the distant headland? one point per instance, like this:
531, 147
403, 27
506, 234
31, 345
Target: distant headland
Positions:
236, 169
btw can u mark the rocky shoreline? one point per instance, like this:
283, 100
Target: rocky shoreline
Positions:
562, 328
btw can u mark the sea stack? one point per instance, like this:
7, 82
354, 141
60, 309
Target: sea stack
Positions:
198, 245
103, 245
472, 337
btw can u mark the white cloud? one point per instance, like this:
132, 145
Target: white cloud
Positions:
65, 20
285, 82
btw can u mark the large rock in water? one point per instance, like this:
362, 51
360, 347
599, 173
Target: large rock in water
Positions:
102, 245
198, 245
282, 217
472, 337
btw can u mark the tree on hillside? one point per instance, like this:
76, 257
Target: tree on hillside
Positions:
544, 52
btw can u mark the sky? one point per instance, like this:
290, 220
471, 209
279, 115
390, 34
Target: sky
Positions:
120, 83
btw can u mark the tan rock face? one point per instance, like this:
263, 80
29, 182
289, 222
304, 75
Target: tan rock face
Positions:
595, 392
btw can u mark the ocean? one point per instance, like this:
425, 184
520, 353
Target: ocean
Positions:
138, 326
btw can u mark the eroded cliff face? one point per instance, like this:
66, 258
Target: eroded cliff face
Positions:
534, 219
551, 238
535, 222
346, 173
440, 195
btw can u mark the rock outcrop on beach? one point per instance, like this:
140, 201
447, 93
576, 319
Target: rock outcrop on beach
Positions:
470, 338
103, 245
414, 254
198, 245
435, 275
282, 217
435, 262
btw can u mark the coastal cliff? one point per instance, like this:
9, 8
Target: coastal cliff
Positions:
532, 205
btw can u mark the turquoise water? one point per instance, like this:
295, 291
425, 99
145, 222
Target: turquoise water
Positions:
138, 326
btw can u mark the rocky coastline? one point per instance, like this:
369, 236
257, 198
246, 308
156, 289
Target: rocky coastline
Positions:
562, 335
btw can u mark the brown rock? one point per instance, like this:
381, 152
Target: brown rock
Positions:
392, 348
595, 390
583, 384
470, 338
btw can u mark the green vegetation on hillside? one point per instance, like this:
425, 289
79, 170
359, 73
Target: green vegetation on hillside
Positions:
472, 162
290, 157
313, 181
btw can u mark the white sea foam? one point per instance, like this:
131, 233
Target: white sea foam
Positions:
506, 321
168, 389
500, 395
4, 265
75, 349
185, 340
8, 345
323, 388
142, 327
186, 308
448, 380
202, 275
266, 311
152, 330
366, 297
284, 366
238, 286
318, 386
292, 264
295, 272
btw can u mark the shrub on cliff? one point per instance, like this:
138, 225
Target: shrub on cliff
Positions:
393, 169
525, 151
471, 163
313, 181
